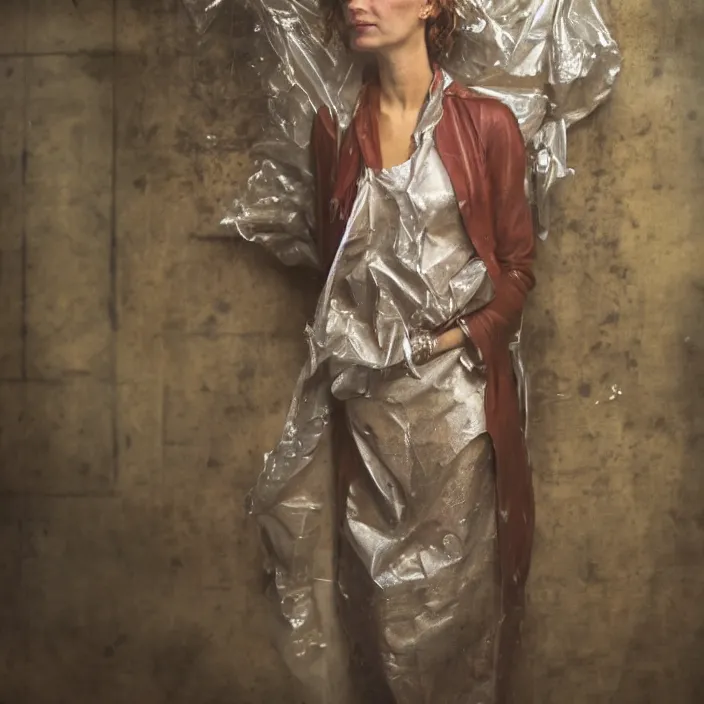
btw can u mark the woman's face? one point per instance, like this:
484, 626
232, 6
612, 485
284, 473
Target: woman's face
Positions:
379, 25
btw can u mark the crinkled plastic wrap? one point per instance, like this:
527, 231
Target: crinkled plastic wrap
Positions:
419, 547
552, 62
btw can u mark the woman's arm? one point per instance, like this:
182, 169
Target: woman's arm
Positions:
495, 324
450, 340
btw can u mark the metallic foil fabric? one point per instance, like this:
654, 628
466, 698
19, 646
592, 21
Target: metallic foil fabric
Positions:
420, 519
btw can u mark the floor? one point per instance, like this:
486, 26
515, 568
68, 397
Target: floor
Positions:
146, 363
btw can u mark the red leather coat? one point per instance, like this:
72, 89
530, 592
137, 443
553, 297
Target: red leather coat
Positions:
481, 147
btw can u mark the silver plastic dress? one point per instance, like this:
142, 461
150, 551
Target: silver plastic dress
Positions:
420, 521
421, 525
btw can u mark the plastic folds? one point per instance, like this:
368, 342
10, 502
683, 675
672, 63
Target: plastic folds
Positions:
552, 61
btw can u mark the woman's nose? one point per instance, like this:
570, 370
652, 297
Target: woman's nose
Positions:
355, 7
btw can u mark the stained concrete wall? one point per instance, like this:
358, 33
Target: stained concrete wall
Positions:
145, 366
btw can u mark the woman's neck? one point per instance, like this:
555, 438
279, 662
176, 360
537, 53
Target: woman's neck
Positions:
404, 77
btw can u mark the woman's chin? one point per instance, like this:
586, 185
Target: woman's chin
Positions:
363, 44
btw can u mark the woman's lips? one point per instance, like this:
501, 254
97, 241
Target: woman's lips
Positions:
363, 27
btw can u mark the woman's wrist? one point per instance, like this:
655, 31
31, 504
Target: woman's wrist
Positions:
426, 345
450, 340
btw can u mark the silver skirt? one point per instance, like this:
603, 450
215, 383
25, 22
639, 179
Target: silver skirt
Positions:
421, 524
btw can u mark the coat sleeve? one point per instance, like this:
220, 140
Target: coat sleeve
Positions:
324, 156
496, 323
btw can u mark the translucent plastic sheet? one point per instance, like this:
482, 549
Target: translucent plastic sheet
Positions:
552, 62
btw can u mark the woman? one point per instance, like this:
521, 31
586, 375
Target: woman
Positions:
426, 234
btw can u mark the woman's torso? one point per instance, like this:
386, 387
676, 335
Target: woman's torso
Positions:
405, 262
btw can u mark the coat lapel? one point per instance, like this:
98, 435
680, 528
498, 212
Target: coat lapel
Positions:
460, 148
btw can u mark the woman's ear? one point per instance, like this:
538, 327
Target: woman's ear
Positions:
430, 10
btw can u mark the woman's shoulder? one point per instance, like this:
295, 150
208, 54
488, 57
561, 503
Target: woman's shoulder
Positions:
484, 109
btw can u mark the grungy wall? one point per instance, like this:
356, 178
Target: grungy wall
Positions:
615, 343
146, 364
